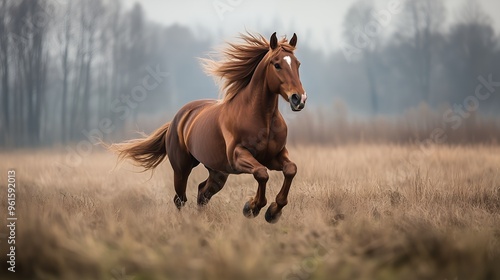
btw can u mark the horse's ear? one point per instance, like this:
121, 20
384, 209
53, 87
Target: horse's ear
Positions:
293, 41
274, 41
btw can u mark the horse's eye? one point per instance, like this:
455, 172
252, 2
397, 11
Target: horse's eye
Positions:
277, 66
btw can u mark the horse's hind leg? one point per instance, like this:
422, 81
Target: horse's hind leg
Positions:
211, 186
180, 183
182, 164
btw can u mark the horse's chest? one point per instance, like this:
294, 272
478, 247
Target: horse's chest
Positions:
265, 144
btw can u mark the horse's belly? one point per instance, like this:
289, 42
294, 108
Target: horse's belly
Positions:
209, 151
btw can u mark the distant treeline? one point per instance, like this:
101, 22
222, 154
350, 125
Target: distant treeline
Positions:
71, 67
422, 60
80, 69
422, 126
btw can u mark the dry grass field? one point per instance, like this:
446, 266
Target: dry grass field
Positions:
355, 212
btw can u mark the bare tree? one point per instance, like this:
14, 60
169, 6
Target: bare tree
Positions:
472, 13
470, 50
94, 10
29, 25
83, 60
136, 49
357, 21
117, 46
423, 19
65, 39
4, 60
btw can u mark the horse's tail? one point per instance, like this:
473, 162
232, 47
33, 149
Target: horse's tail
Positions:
147, 152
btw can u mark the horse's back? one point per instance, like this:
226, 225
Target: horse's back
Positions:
181, 121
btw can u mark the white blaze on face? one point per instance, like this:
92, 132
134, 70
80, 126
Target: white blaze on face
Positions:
303, 98
288, 60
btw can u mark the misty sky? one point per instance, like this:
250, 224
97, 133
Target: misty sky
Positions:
320, 23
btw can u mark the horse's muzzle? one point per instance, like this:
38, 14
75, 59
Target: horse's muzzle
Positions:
298, 102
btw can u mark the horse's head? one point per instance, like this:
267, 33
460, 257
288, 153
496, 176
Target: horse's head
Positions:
283, 72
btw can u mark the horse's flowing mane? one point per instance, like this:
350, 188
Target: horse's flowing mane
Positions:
238, 62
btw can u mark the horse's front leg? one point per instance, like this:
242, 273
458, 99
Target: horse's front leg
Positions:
281, 163
246, 163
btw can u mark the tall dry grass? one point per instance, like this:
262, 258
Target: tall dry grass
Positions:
355, 212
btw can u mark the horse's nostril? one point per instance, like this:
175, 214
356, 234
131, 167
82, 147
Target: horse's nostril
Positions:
295, 99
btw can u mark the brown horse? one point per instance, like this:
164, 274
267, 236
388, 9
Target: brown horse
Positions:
242, 133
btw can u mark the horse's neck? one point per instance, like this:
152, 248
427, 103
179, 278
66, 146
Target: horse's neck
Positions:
260, 100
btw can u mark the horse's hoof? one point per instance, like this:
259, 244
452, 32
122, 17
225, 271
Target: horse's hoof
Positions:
178, 202
249, 212
202, 200
270, 217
